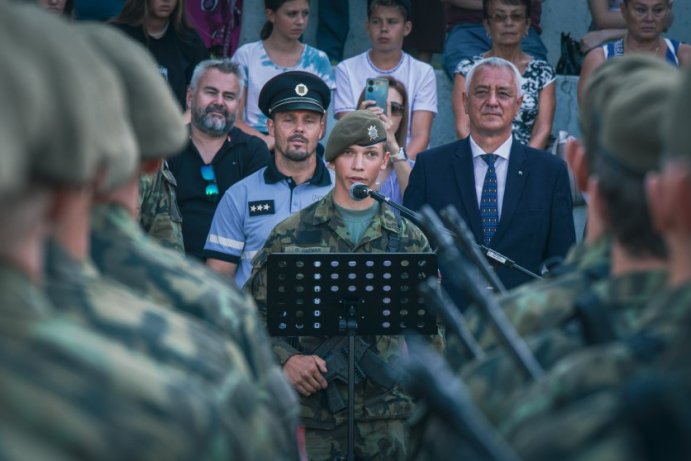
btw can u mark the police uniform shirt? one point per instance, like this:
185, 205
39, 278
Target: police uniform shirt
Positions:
252, 207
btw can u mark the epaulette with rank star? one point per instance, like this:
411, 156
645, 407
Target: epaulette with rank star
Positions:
261, 207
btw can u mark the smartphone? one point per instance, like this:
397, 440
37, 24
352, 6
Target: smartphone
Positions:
377, 90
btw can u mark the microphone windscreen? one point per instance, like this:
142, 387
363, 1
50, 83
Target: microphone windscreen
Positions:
358, 191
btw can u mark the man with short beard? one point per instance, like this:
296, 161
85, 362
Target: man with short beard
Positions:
218, 154
295, 104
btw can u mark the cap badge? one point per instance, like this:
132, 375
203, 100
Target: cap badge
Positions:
372, 132
301, 89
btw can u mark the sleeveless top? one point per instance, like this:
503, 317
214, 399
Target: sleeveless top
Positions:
616, 48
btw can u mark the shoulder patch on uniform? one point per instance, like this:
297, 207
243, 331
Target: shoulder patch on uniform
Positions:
261, 207
308, 237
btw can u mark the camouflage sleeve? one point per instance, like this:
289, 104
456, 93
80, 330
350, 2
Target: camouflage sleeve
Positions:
84, 397
415, 240
159, 214
257, 285
575, 376
494, 380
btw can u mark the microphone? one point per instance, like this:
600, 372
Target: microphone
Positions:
359, 191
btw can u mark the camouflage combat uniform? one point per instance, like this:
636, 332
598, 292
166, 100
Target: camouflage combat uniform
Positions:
122, 252
540, 305
176, 342
69, 393
379, 413
581, 395
159, 214
496, 378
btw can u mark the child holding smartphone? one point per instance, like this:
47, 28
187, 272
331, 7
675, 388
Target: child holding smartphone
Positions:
388, 22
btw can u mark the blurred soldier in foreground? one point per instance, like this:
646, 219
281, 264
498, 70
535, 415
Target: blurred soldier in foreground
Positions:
122, 252
66, 392
339, 223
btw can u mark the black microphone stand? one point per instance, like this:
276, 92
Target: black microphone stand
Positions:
357, 192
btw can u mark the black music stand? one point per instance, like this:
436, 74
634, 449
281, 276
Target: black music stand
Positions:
348, 294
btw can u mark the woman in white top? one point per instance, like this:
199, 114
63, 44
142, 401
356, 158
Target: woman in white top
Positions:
279, 50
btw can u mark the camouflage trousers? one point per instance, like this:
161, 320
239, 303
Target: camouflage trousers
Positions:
378, 440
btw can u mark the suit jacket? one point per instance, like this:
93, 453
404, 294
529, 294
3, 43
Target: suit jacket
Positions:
537, 217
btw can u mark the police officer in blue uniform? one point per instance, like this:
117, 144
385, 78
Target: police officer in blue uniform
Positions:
295, 103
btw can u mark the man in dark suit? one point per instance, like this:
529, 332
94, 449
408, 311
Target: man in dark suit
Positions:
515, 199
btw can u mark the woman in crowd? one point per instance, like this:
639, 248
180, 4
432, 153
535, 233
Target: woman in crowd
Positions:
393, 180
507, 22
278, 51
608, 24
645, 20
160, 25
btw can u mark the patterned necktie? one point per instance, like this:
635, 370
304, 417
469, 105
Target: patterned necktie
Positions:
488, 201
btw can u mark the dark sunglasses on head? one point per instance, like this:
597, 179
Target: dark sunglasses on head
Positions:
397, 108
209, 176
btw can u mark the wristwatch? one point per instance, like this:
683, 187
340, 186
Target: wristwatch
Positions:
401, 155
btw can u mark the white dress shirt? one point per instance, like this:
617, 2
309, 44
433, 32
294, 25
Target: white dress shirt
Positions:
501, 167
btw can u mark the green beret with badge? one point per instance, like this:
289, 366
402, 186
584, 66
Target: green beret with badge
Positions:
82, 121
608, 79
156, 118
295, 90
676, 131
630, 138
359, 128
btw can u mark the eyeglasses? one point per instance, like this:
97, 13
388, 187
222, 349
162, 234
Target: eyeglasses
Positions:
397, 109
657, 11
209, 176
501, 17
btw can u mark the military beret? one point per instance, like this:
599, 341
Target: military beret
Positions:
609, 78
156, 118
21, 121
359, 128
676, 131
630, 136
295, 90
86, 120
